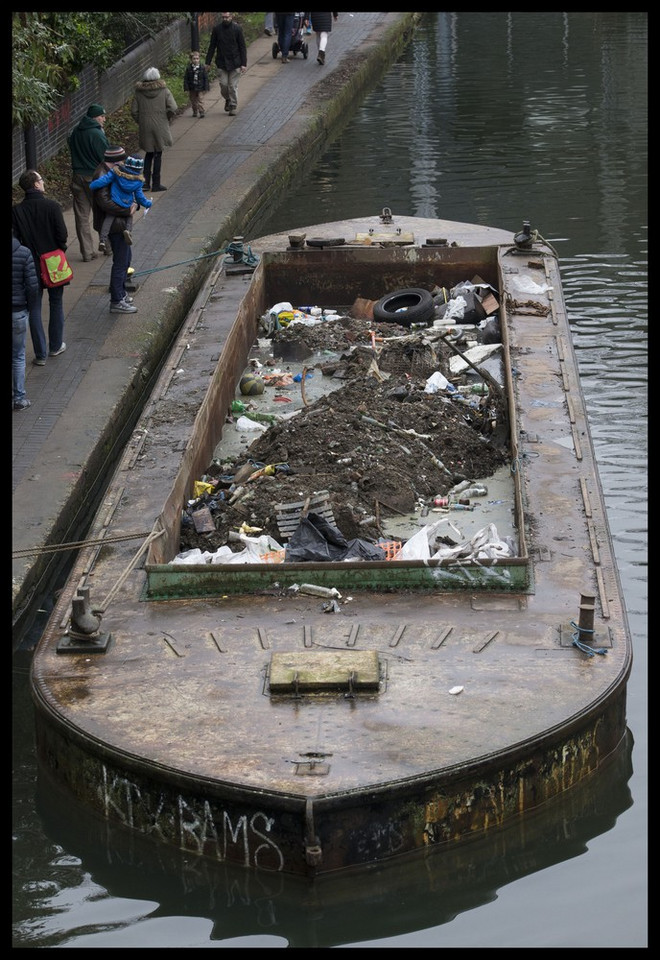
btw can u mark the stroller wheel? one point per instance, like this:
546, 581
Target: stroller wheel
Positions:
305, 50
276, 50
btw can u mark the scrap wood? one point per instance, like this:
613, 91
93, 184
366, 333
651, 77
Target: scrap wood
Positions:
363, 309
289, 515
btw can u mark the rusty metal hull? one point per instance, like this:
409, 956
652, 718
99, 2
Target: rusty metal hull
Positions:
388, 899
169, 724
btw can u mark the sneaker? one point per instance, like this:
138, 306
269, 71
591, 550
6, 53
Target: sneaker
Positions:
321, 57
87, 259
122, 307
156, 189
56, 353
146, 185
128, 299
201, 115
102, 246
227, 106
194, 113
127, 237
285, 59
232, 112
21, 404
39, 361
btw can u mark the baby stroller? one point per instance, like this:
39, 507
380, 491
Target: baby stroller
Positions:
298, 42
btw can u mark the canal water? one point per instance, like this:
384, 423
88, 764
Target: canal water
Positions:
492, 118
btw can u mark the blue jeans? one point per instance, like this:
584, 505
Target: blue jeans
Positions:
284, 28
55, 323
19, 328
121, 261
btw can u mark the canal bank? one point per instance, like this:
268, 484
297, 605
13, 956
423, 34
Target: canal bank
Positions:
221, 174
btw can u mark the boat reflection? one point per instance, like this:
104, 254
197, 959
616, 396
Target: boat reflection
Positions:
425, 890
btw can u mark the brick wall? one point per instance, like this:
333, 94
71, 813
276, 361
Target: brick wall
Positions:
112, 88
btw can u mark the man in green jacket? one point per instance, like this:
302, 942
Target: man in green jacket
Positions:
87, 143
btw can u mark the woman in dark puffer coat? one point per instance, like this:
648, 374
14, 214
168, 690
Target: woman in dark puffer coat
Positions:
322, 26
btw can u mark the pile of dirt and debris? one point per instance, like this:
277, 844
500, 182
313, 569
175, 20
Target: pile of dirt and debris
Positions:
379, 444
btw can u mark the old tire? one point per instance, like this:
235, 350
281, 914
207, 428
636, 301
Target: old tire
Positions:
405, 307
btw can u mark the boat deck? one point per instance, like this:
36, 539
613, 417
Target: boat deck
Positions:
182, 701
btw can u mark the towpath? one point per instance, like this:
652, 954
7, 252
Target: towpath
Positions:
62, 441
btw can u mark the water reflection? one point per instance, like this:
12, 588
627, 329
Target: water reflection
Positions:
116, 878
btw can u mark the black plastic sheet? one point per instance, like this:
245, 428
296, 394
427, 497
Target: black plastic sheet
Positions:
317, 540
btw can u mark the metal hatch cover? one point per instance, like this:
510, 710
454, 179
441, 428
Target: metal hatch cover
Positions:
310, 671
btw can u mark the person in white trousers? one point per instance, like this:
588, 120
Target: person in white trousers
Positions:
322, 26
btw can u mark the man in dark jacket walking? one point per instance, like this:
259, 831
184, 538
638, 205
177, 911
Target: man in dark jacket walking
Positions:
231, 59
87, 143
39, 224
24, 295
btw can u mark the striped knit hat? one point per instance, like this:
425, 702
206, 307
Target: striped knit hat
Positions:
114, 155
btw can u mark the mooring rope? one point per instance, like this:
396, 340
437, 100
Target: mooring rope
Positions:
582, 646
75, 545
246, 256
152, 536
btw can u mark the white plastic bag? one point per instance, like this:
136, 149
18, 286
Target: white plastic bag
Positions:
280, 308
245, 425
455, 309
419, 545
528, 286
484, 545
436, 382
192, 556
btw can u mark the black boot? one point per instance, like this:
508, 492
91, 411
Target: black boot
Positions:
148, 158
157, 185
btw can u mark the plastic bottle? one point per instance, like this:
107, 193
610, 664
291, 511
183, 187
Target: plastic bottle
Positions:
317, 591
460, 506
237, 406
479, 490
459, 488
480, 388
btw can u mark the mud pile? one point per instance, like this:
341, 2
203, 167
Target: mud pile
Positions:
378, 445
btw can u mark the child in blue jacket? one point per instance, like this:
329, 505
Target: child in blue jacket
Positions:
125, 181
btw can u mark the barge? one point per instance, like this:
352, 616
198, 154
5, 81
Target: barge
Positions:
220, 708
